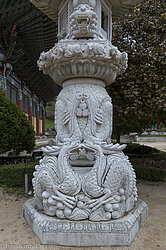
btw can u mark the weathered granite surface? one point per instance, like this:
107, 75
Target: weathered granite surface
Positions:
51, 230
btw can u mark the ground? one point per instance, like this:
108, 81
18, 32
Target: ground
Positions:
16, 234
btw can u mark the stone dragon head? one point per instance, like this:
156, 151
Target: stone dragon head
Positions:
83, 21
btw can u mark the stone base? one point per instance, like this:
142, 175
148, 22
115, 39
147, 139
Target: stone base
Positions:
118, 232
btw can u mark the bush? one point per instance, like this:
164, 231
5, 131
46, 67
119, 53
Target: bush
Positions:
6, 160
16, 132
149, 162
150, 174
14, 175
134, 148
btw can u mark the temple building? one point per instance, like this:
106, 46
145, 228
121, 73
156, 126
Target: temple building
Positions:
21, 95
24, 33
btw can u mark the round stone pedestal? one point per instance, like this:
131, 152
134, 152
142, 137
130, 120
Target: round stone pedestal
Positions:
51, 230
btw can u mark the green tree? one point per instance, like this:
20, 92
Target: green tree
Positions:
139, 95
16, 132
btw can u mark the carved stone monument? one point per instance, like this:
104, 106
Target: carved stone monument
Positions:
85, 187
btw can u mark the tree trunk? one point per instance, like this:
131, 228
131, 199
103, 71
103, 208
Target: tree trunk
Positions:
118, 136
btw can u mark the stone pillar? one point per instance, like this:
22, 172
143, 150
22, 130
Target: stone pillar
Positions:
37, 120
84, 176
19, 98
43, 121
30, 110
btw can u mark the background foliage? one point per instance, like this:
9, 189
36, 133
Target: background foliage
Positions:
14, 175
16, 132
139, 95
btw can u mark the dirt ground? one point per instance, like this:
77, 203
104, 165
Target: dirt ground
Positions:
16, 234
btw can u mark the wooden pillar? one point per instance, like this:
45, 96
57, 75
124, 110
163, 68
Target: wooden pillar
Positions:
37, 120
43, 121
30, 110
1, 87
3, 83
19, 98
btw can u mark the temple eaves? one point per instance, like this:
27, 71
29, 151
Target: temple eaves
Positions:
51, 7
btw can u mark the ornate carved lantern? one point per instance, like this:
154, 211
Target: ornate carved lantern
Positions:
85, 177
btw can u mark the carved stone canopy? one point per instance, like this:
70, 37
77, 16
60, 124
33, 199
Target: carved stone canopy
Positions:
84, 48
61, 10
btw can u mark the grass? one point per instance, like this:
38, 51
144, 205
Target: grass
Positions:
14, 191
49, 123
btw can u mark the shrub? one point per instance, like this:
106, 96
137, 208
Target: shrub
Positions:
14, 175
149, 162
150, 174
145, 154
6, 160
134, 148
16, 132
